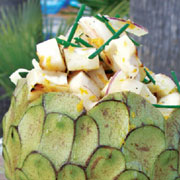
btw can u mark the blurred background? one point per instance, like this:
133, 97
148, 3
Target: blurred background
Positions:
24, 23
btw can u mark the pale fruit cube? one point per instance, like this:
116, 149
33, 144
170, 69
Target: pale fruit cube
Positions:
163, 86
95, 29
170, 99
50, 57
132, 86
122, 55
99, 77
77, 59
39, 82
82, 86
80, 81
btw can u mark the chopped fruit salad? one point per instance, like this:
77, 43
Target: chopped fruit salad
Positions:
98, 57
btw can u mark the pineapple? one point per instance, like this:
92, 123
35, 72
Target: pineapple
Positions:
70, 120
122, 137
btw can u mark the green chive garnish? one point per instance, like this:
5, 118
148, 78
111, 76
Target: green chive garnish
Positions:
66, 43
83, 42
149, 76
116, 35
166, 106
135, 42
105, 21
146, 81
80, 13
175, 80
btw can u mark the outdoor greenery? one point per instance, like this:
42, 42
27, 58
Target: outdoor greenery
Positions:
118, 8
20, 31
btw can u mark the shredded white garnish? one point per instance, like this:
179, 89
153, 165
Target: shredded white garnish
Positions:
16, 76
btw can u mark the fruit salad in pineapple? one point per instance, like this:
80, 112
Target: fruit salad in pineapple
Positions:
90, 110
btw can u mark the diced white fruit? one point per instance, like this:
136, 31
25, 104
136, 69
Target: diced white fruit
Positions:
133, 28
50, 56
77, 59
122, 55
40, 82
170, 99
81, 80
85, 88
119, 85
99, 77
164, 85
94, 28
88, 99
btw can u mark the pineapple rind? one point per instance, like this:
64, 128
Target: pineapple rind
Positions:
136, 114
85, 141
141, 112
57, 138
71, 172
132, 174
142, 147
19, 175
165, 165
113, 122
106, 163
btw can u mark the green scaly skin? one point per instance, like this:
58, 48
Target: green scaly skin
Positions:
122, 138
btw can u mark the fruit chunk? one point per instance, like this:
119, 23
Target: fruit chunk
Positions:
164, 85
63, 103
86, 140
166, 166
50, 56
57, 138
37, 167
141, 112
170, 99
30, 131
99, 77
142, 147
122, 55
172, 128
132, 175
131, 85
95, 29
77, 59
19, 175
105, 164
85, 88
134, 28
113, 121
39, 82
71, 172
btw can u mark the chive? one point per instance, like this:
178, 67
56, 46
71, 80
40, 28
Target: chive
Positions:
117, 16
146, 81
83, 42
175, 80
105, 18
80, 13
116, 35
135, 42
149, 76
166, 106
105, 21
66, 43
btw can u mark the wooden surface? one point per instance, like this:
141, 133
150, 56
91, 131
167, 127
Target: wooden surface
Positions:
161, 48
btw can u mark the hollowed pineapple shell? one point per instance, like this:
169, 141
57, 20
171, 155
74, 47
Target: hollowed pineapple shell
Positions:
122, 138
